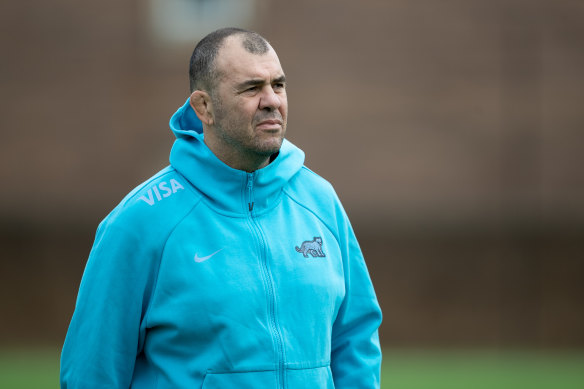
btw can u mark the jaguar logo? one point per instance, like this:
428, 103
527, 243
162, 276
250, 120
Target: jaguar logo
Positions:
312, 247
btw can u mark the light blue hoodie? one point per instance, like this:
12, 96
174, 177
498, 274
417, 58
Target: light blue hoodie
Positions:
209, 277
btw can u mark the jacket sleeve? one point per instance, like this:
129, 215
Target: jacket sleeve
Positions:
106, 332
356, 352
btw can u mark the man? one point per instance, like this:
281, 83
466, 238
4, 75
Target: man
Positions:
234, 267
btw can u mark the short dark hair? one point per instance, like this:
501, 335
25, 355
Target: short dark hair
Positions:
202, 72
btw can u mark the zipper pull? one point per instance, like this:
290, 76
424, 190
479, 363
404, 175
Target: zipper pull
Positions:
250, 191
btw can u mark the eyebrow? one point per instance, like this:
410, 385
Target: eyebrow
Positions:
259, 81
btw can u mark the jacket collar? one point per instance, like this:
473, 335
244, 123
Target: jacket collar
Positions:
224, 188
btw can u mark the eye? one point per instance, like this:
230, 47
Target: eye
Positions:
279, 85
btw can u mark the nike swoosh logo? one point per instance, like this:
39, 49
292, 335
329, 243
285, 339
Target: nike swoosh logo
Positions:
203, 259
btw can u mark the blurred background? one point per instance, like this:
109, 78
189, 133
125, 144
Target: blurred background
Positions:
452, 130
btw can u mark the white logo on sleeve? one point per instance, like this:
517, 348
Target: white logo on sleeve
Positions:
203, 259
160, 191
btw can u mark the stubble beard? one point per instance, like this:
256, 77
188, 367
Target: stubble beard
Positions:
247, 141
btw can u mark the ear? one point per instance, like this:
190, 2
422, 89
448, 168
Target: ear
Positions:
201, 103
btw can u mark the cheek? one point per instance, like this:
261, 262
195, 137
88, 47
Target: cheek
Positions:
248, 110
240, 115
284, 108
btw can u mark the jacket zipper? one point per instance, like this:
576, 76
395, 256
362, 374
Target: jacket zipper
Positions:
250, 192
276, 333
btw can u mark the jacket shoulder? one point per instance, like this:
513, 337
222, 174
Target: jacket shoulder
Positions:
307, 182
317, 195
160, 201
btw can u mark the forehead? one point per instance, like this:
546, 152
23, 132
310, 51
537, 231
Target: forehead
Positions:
236, 64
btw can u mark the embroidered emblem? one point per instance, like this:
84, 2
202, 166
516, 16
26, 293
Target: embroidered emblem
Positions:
312, 247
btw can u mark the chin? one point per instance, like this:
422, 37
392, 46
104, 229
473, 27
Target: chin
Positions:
270, 146
268, 151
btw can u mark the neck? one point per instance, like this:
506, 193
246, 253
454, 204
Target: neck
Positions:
238, 159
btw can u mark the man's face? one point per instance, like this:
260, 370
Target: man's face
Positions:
249, 101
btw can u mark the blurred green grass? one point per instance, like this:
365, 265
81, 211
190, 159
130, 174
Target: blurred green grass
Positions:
482, 369
38, 368
29, 368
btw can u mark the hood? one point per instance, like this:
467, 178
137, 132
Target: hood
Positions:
226, 189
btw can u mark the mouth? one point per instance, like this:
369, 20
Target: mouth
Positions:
269, 124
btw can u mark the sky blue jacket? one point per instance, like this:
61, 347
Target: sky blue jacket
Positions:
209, 277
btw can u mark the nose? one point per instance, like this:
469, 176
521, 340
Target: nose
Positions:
270, 100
